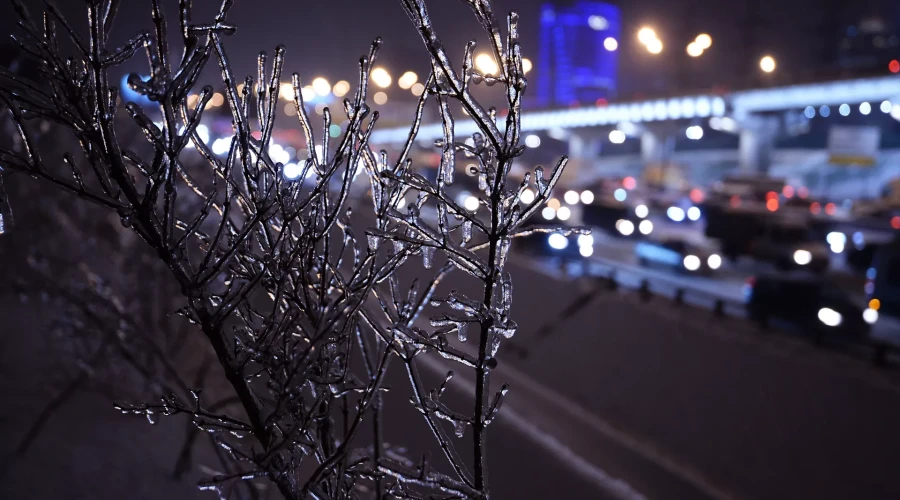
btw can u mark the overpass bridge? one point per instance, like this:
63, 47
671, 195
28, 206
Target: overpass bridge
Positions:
757, 116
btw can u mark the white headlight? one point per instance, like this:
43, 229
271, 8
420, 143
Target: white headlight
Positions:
829, 316
571, 197
675, 213
626, 227
645, 227
563, 213
802, 257
714, 261
693, 213
870, 316
585, 240
835, 238
692, 262
641, 211
587, 197
558, 241
586, 250
548, 213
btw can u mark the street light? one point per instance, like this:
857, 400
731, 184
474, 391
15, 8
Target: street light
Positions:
704, 41
646, 35
610, 44
408, 79
767, 64
655, 46
694, 49
526, 64
381, 77
486, 64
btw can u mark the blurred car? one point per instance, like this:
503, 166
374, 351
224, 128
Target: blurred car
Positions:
812, 304
789, 246
678, 255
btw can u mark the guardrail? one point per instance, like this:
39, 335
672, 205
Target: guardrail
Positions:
613, 276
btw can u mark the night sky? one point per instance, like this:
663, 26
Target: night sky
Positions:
325, 38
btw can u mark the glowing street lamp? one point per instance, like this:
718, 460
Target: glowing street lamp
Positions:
486, 64
408, 79
655, 46
704, 41
646, 35
526, 64
767, 64
381, 77
694, 50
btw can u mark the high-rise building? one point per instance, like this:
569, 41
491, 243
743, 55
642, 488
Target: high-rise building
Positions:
577, 55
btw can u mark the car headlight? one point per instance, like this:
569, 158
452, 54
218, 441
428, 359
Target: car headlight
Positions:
626, 227
585, 240
802, 257
714, 261
870, 316
558, 241
586, 250
645, 227
692, 262
830, 317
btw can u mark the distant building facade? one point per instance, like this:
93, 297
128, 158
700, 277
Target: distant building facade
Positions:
577, 59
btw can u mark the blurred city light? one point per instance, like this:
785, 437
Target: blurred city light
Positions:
865, 108
646, 35
526, 65
598, 23
286, 91
837, 241
308, 93
641, 211
217, 100
585, 240
704, 41
809, 112
527, 196
691, 262
486, 64
885, 106
407, 80
610, 44
694, 50
321, 86
548, 213
341, 88
471, 203
824, 111
655, 46
675, 213
586, 251
418, 89
587, 197
894, 66
693, 213
844, 109
221, 145
830, 317
645, 227
381, 77
714, 261
292, 171
870, 316
532, 141
629, 183
625, 227
802, 257
553, 203
694, 132
380, 98
563, 213
616, 136
571, 197
620, 194
558, 241
772, 204
767, 64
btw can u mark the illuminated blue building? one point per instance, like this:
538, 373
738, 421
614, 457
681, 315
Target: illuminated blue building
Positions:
577, 58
